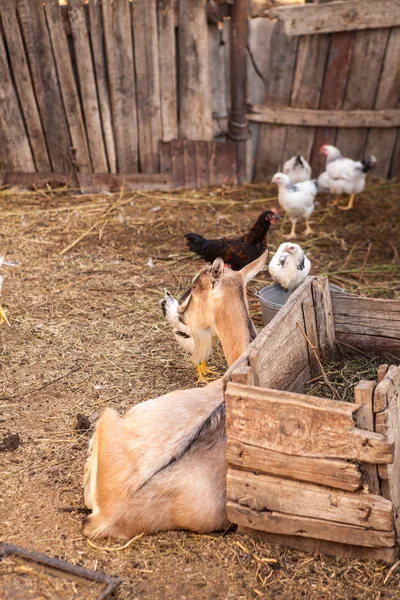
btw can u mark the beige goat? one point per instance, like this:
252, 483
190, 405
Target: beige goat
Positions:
162, 466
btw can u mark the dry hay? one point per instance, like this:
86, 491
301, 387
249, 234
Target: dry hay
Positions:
87, 332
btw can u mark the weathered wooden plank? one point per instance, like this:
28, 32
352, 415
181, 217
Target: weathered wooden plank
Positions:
324, 471
15, 150
371, 345
145, 41
178, 170
306, 90
68, 87
194, 75
221, 163
23, 83
202, 164
381, 421
337, 16
386, 388
263, 492
311, 332
119, 52
100, 65
36, 180
314, 546
87, 84
219, 80
279, 523
167, 68
278, 84
382, 370
298, 384
395, 166
293, 424
165, 157
45, 82
363, 77
115, 182
324, 318
349, 304
332, 92
381, 143
363, 395
367, 326
189, 163
242, 374
310, 118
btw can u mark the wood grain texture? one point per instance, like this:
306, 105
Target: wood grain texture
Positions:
100, 65
337, 16
382, 370
275, 522
218, 54
45, 82
98, 182
145, 41
310, 327
68, 86
313, 546
167, 68
324, 318
23, 84
386, 388
363, 395
120, 70
323, 471
263, 492
87, 84
194, 74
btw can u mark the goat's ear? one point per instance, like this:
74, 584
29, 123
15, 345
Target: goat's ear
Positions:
217, 271
251, 270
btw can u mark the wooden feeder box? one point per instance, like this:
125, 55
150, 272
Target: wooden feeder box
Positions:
310, 473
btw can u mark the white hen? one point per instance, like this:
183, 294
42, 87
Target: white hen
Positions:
289, 266
296, 199
347, 176
324, 183
297, 169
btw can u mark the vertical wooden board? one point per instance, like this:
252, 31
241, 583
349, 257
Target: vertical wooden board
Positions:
216, 54
145, 41
311, 332
23, 83
165, 157
68, 87
189, 163
324, 318
178, 170
167, 68
381, 141
195, 99
307, 83
395, 165
278, 79
225, 163
363, 395
87, 84
365, 67
15, 152
44, 76
202, 164
120, 69
332, 93
100, 65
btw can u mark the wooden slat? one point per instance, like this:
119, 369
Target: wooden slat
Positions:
395, 165
36, 180
306, 90
382, 370
337, 16
275, 522
278, 84
363, 77
381, 143
178, 171
68, 87
145, 40
114, 183
100, 65
324, 471
45, 82
316, 547
15, 150
165, 157
167, 67
263, 492
87, 84
310, 327
363, 395
323, 118
219, 73
324, 318
386, 388
293, 424
369, 345
222, 163
23, 83
202, 164
189, 163
119, 52
332, 92
194, 77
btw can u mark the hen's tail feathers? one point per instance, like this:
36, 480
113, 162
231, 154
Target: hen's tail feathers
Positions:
315, 182
298, 161
168, 297
195, 241
368, 163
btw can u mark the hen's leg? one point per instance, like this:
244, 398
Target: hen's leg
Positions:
336, 201
308, 230
3, 317
207, 371
201, 374
292, 233
350, 204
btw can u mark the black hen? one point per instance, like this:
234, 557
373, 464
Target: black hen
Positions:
236, 252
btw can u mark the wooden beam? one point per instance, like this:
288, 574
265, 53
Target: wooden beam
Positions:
324, 471
263, 492
363, 395
324, 318
337, 16
309, 117
307, 527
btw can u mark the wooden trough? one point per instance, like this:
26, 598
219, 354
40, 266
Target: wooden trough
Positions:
310, 473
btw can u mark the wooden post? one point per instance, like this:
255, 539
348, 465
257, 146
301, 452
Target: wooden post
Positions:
363, 395
238, 126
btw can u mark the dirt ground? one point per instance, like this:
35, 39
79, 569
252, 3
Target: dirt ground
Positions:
86, 331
